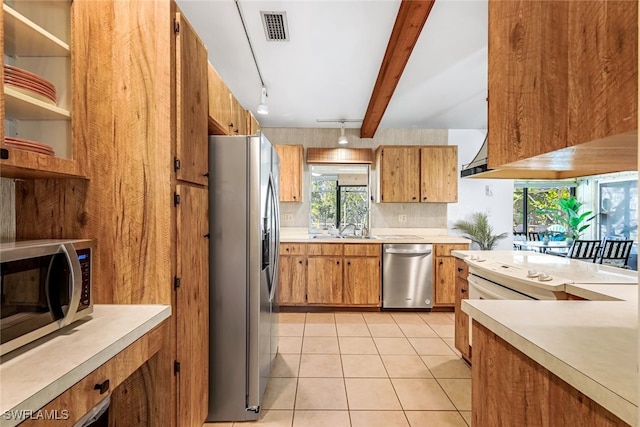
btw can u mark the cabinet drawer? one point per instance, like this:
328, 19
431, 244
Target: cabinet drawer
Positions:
83, 396
358, 249
462, 269
445, 250
324, 249
293, 249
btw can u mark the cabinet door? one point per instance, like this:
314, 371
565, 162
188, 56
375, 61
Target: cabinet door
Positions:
399, 174
362, 281
239, 119
324, 280
290, 172
253, 127
462, 319
219, 104
191, 105
445, 283
293, 280
439, 174
192, 304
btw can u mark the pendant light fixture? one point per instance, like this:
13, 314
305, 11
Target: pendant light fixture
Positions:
343, 138
263, 108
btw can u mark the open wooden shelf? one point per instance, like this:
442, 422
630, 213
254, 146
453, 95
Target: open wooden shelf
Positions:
22, 37
27, 164
24, 107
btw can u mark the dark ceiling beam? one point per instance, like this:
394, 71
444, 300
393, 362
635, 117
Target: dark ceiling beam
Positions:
411, 18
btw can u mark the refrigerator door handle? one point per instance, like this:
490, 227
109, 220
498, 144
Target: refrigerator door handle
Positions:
276, 231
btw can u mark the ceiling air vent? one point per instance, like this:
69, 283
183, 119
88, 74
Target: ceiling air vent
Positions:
275, 26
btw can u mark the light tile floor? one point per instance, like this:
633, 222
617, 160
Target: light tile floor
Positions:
366, 370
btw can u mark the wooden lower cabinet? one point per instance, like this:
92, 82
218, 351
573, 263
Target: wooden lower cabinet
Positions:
330, 274
462, 318
511, 389
361, 281
324, 280
444, 278
293, 280
79, 399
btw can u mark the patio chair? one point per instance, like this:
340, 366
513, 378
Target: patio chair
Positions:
615, 252
586, 250
534, 236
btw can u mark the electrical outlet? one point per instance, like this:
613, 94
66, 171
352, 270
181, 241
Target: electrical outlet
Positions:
402, 218
288, 217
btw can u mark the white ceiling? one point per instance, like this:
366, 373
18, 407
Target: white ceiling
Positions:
329, 67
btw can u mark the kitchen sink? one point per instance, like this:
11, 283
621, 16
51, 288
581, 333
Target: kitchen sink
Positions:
328, 236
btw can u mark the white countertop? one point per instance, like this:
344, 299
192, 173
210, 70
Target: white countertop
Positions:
591, 345
37, 373
414, 235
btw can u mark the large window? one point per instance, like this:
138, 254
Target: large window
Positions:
531, 199
339, 197
619, 209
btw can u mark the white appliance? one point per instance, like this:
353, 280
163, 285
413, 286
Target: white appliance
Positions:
534, 276
244, 219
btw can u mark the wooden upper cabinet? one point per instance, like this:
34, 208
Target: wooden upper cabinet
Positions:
398, 173
192, 160
192, 304
290, 172
253, 127
560, 74
219, 104
439, 174
238, 118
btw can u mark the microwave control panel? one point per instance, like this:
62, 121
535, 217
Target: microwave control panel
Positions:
84, 256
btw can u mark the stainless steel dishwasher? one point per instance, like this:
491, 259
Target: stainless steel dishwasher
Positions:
407, 275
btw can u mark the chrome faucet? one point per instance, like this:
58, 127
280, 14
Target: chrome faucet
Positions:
347, 226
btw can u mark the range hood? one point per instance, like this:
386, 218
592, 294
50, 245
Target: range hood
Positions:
618, 153
479, 162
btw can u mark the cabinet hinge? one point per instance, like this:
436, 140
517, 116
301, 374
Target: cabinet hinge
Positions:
176, 26
176, 199
206, 174
176, 282
4, 153
307, 262
176, 367
207, 236
176, 164
382, 153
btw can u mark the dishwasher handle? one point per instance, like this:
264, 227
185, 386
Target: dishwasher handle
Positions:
408, 251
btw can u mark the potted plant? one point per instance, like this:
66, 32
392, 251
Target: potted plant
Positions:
568, 214
479, 231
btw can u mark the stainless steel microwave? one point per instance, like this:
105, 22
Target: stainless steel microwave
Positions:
45, 285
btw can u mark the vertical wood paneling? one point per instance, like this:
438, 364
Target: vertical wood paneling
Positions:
191, 104
219, 104
192, 304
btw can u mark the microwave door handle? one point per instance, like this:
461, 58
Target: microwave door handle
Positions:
76, 283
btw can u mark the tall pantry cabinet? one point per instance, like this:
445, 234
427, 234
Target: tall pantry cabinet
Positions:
140, 113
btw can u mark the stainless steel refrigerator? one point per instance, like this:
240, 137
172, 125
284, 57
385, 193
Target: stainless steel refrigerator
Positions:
244, 222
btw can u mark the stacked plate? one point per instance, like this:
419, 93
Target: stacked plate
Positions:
25, 144
30, 84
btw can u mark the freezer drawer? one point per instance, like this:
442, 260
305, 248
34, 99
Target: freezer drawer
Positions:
407, 275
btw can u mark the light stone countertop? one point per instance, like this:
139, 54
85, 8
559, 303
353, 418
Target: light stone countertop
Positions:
423, 235
591, 345
37, 373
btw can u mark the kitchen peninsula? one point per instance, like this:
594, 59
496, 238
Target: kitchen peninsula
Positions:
561, 362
